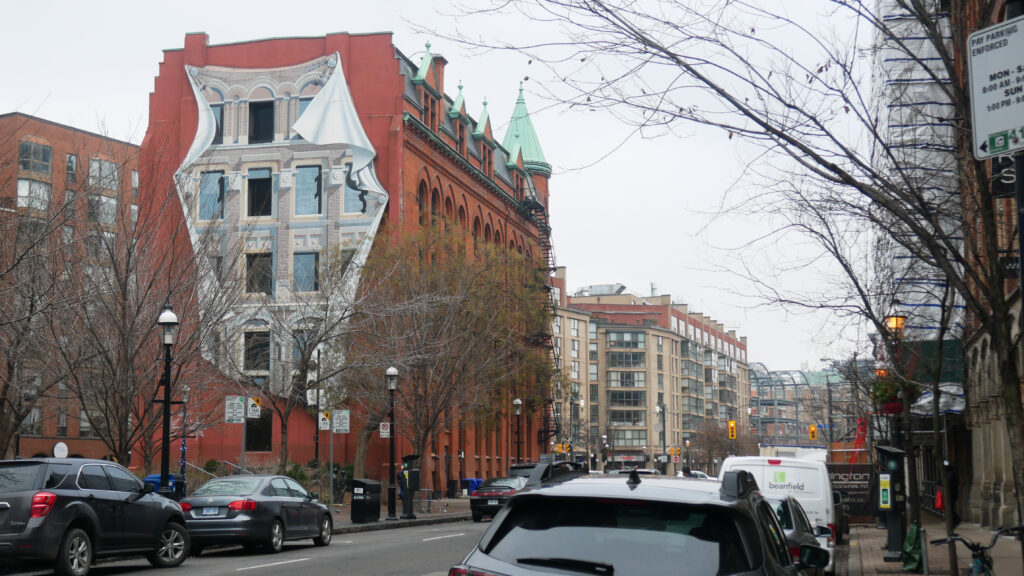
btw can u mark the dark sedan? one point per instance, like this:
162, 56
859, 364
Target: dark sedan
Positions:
492, 495
255, 511
798, 529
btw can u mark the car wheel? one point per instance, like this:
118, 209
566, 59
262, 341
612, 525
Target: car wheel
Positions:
173, 548
326, 531
75, 554
477, 517
275, 538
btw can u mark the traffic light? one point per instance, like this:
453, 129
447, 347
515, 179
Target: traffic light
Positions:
558, 448
812, 432
732, 429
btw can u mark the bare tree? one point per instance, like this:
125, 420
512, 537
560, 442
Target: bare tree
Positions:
800, 95
118, 273
460, 327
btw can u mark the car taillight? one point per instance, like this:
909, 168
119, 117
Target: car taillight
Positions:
186, 507
462, 570
242, 505
42, 503
794, 551
774, 462
832, 535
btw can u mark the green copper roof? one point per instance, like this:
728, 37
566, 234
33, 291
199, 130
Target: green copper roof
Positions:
457, 104
481, 123
521, 135
428, 59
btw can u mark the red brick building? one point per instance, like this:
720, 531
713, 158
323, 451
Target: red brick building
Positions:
61, 191
312, 144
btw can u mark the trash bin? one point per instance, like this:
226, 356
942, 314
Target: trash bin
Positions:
365, 500
453, 489
154, 479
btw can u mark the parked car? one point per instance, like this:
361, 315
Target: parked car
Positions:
694, 474
492, 495
70, 511
798, 529
806, 480
256, 511
636, 524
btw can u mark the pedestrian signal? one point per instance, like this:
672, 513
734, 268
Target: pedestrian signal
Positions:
812, 432
732, 429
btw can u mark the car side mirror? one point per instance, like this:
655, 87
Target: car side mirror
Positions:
823, 531
837, 497
147, 488
813, 556
313, 496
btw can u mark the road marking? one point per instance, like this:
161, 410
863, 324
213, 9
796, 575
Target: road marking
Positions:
446, 536
273, 564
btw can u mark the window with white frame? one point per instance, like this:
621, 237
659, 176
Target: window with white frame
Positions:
104, 174
306, 272
259, 273
102, 209
33, 194
574, 328
257, 351
575, 352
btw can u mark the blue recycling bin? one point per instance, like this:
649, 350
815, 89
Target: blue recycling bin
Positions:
154, 479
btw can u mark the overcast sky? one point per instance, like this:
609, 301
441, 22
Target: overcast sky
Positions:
623, 208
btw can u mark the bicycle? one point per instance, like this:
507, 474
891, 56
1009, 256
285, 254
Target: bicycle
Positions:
981, 560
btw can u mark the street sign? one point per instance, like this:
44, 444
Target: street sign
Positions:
995, 58
385, 430
325, 420
253, 409
340, 421
234, 410
675, 458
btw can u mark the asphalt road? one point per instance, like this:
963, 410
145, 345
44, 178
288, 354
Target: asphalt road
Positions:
414, 551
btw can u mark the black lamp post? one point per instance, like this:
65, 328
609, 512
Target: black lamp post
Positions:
519, 405
391, 378
168, 321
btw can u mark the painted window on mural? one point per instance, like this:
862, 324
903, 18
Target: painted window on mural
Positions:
218, 116
259, 191
211, 196
261, 122
259, 273
308, 196
306, 272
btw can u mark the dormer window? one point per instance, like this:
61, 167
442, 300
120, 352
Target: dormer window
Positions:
460, 131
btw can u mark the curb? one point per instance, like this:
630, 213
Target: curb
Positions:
392, 524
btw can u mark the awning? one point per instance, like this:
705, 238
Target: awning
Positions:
951, 401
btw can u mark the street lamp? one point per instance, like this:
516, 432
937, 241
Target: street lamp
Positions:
391, 379
604, 452
184, 438
168, 321
660, 409
519, 405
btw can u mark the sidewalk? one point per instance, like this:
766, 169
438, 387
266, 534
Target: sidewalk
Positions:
867, 548
444, 510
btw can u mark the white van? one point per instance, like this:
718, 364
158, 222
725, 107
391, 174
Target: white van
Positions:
806, 480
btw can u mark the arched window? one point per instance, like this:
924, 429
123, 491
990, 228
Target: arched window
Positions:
421, 202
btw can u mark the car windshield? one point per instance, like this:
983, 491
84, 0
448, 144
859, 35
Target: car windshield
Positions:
623, 536
514, 483
18, 477
236, 486
782, 511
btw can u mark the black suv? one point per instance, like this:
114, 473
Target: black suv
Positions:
69, 511
637, 525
